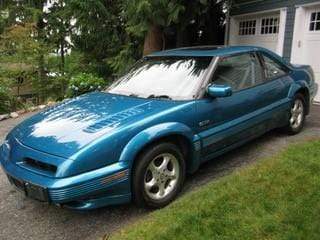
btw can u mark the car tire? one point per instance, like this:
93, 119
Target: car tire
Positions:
297, 115
158, 175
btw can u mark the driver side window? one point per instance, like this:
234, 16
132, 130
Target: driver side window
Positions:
239, 72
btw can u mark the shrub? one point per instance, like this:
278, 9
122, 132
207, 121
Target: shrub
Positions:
83, 83
8, 102
5, 99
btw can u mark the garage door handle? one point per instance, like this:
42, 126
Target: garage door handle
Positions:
299, 44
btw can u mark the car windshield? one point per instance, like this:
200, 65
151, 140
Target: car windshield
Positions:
175, 78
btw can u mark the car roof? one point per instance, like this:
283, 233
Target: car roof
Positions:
206, 51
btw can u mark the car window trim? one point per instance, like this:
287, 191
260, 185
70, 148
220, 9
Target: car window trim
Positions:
264, 77
258, 54
254, 52
261, 84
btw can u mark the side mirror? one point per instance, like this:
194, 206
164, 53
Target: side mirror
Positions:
219, 91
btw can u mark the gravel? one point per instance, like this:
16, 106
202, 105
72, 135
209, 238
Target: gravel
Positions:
22, 218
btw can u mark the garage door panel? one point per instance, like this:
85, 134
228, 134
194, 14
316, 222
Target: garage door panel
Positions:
265, 34
312, 53
311, 43
269, 42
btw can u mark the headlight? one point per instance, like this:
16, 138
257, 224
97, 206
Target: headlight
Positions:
6, 150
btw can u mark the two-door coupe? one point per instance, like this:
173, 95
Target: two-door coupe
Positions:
171, 112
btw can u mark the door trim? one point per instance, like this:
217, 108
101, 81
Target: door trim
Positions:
225, 131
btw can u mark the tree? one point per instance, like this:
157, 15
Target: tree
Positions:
58, 29
25, 13
98, 31
104, 37
19, 53
148, 18
202, 23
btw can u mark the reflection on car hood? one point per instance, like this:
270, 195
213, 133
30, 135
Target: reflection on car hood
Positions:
66, 128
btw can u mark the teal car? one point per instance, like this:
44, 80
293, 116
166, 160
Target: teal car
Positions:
138, 139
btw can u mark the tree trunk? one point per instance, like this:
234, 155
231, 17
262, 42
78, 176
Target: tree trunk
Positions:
62, 67
62, 55
41, 59
42, 77
62, 46
153, 40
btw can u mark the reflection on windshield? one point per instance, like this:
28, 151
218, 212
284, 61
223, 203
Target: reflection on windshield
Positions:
163, 77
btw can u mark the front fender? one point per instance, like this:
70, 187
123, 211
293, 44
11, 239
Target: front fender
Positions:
153, 133
296, 87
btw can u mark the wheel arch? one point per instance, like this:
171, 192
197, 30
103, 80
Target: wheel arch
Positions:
302, 88
306, 94
176, 133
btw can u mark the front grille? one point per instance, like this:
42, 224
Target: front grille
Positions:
40, 165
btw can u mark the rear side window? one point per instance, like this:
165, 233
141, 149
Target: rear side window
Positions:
239, 72
272, 68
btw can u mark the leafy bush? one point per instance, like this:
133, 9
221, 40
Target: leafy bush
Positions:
5, 99
83, 83
8, 102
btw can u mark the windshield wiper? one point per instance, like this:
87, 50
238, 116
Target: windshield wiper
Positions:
160, 96
133, 95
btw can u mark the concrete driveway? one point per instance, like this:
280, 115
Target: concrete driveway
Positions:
22, 218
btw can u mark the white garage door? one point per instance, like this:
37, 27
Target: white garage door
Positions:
257, 30
311, 43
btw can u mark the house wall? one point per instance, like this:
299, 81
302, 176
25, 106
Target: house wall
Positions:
251, 6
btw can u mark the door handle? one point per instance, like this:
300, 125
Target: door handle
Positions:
299, 44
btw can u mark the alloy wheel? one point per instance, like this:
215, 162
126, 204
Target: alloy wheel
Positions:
161, 177
297, 113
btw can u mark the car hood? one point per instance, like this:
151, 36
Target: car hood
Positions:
66, 128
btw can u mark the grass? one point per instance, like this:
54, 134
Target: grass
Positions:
276, 198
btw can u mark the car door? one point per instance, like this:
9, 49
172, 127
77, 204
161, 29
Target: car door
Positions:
224, 123
278, 82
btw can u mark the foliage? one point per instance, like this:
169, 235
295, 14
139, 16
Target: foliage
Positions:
5, 97
17, 42
85, 82
57, 39
142, 13
167, 24
122, 62
58, 29
23, 42
19, 53
99, 33
277, 198
8, 103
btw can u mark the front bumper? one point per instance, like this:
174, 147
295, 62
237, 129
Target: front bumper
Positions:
105, 186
